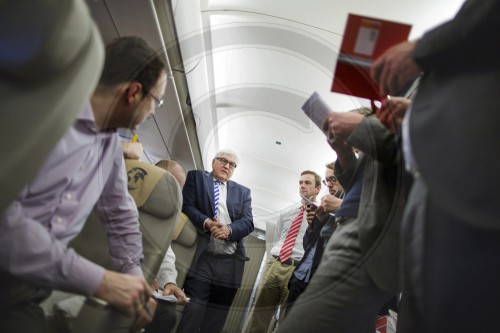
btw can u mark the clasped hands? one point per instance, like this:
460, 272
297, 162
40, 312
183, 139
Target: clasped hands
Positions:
217, 229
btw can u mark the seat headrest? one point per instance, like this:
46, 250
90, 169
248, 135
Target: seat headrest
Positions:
142, 179
51, 57
185, 233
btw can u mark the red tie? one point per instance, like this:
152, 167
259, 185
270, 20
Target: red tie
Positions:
286, 249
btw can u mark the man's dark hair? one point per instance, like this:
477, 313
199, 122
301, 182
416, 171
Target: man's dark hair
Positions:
317, 178
331, 165
131, 59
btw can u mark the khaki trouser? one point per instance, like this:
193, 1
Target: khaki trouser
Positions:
273, 290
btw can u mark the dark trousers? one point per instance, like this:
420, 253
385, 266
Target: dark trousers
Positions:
341, 296
461, 275
164, 319
211, 293
453, 271
295, 288
19, 309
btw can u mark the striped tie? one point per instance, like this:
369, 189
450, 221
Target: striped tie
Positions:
216, 198
286, 249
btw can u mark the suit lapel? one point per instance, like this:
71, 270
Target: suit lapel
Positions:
230, 195
208, 179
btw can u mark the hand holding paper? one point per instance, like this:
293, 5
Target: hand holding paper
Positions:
392, 112
171, 297
172, 289
340, 125
395, 68
330, 203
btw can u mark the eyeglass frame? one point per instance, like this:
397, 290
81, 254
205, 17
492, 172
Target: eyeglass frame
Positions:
331, 179
223, 161
159, 102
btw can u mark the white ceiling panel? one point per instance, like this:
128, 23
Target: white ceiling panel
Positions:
252, 64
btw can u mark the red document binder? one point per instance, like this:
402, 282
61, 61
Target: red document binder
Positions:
365, 39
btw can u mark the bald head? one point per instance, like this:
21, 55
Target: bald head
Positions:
175, 169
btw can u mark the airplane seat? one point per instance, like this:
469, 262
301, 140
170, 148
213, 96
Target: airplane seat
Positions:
51, 57
159, 200
159, 210
184, 246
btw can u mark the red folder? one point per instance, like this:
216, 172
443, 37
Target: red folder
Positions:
365, 39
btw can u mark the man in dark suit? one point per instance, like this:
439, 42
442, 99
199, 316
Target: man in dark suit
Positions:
222, 213
453, 129
359, 269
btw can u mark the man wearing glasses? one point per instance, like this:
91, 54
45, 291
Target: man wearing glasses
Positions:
221, 211
330, 181
84, 169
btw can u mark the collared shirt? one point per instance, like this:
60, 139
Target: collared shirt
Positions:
220, 246
410, 163
303, 271
84, 166
283, 226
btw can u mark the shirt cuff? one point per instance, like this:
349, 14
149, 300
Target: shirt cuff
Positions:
136, 271
169, 282
205, 224
86, 276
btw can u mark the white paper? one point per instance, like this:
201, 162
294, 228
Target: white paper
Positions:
169, 298
367, 37
316, 109
310, 202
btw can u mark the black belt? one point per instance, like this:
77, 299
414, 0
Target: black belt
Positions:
288, 262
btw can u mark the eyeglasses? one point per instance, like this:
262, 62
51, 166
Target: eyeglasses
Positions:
223, 161
159, 102
331, 179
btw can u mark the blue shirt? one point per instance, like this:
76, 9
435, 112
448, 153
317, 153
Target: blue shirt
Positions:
350, 204
303, 271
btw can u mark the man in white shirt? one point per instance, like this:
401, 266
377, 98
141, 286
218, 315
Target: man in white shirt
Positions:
273, 289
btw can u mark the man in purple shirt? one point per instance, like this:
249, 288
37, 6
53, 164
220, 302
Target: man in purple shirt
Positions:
85, 169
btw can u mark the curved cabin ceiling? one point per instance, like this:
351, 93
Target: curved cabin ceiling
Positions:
250, 65
247, 67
